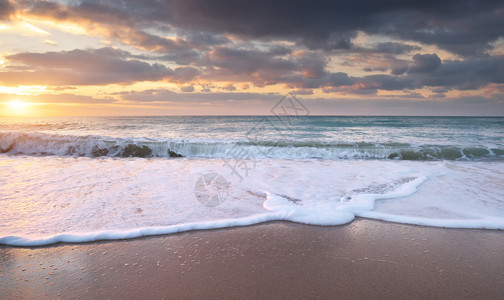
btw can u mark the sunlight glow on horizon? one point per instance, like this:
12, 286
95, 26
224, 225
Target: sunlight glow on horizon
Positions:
16, 107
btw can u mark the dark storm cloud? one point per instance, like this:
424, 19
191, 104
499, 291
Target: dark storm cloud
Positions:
244, 42
425, 63
394, 48
180, 58
326, 80
261, 67
247, 61
466, 74
399, 70
385, 82
305, 69
464, 27
428, 71
96, 11
338, 79
467, 31
89, 67
440, 90
391, 48
123, 21
204, 38
300, 72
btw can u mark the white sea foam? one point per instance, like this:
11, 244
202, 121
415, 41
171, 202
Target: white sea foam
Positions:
46, 200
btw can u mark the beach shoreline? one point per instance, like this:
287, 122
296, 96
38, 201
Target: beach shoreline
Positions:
363, 259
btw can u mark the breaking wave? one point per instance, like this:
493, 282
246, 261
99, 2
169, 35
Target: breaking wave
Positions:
41, 144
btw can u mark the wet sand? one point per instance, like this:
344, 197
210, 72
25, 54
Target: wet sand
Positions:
364, 259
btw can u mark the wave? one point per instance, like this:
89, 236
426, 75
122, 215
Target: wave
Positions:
62, 199
40, 144
278, 208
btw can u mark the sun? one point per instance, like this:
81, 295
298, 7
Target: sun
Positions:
18, 107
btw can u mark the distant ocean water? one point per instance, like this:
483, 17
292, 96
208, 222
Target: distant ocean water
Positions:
84, 179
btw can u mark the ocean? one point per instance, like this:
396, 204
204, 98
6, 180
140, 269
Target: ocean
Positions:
99, 178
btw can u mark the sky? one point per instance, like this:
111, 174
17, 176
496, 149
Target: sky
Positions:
229, 57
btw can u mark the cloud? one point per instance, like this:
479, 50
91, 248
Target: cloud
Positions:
97, 11
265, 67
330, 81
88, 67
399, 70
50, 42
370, 59
385, 82
384, 48
132, 23
394, 48
252, 65
340, 79
466, 74
288, 43
371, 69
302, 70
6, 10
229, 87
466, 28
247, 61
203, 38
183, 74
57, 98
425, 63
302, 92
187, 89
169, 96
429, 71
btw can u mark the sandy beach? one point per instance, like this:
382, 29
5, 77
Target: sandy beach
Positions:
364, 259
